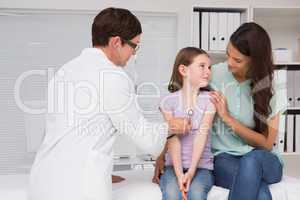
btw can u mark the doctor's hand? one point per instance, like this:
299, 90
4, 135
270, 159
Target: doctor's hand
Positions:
159, 169
179, 125
117, 179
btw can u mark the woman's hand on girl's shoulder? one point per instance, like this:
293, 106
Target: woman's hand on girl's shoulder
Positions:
219, 100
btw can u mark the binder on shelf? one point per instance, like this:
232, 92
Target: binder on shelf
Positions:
290, 88
281, 133
290, 133
299, 49
230, 24
236, 20
296, 91
196, 29
280, 76
280, 85
282, 55
297, 133
222, 31
233, 22
204, 31
213, 31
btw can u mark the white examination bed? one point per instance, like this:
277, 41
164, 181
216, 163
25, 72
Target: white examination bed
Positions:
138, 186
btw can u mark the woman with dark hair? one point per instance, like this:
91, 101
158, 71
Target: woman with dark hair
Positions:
248, 107
244, 134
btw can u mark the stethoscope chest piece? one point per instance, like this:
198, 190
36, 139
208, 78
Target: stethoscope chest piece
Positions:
190, 113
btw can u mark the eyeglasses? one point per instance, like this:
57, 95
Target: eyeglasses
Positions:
133, 45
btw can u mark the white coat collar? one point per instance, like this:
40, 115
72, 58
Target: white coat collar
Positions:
98, 54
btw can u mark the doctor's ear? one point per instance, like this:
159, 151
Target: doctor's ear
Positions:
115, 42
182, 69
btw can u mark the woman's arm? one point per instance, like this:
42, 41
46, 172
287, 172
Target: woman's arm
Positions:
253, 138
201, 139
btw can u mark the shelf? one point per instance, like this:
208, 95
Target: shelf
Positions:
283, 27
279, 12
292, 111
288, 63
217, 52
219, 9
290, 154
293, 108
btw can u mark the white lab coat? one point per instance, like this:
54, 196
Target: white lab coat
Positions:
90, 102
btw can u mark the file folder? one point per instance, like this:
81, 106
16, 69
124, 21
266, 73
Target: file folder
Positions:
222, 31
290, 88
296, 89
205, 30
196, 29
213, 31
290, 133
297, 133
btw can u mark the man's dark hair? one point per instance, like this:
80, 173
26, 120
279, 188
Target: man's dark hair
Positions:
114, 22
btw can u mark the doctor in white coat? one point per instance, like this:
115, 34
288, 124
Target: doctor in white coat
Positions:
90, 101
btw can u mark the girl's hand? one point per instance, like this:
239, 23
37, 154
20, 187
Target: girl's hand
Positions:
187, 180
219, 100
180, 180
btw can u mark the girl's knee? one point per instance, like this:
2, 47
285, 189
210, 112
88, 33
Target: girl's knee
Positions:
171, 191
169, 185
199, 191
171, 194
198, 194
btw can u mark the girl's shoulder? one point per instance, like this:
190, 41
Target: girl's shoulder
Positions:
169, 101
204, 95
169, 96
204, 101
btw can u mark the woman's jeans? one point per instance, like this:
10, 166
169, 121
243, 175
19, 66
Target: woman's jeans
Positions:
248, 176
199, 188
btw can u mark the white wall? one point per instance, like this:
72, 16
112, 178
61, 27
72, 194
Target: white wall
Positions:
182, 8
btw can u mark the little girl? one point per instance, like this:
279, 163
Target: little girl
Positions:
189, 160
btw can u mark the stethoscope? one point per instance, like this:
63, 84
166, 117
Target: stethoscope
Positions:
190, 113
